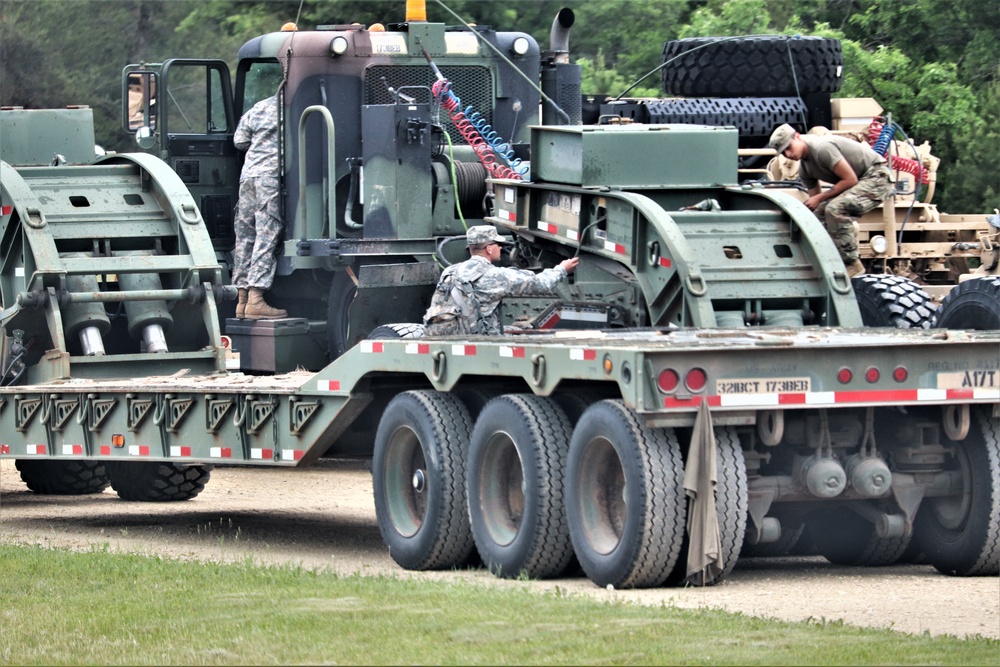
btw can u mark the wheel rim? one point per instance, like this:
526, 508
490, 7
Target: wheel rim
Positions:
602, 496
951, 512
406, 482
501, 494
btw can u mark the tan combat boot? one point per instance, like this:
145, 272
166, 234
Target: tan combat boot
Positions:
855, 268
257, 308
241, 304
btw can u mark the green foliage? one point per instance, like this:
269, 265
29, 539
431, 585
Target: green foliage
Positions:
101, 608
934, 64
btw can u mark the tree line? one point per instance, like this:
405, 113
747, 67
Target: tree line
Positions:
935, 64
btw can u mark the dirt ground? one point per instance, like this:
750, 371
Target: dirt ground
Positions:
324, 517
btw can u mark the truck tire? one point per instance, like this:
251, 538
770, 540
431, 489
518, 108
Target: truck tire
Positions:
731, 504
752, 66
844, 537
402, 330
625, 497
418, 478
517, 457
892, 301
63, 478
974, 304
961, 536
157, 481
343, 291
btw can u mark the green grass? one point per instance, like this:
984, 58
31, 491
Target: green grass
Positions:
62, 607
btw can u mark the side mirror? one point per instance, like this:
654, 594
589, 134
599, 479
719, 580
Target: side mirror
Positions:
140, 103
145, 138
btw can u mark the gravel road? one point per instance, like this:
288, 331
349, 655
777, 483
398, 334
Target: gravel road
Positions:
324, 517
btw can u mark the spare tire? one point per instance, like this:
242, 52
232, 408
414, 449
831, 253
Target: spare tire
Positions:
974, 304
774, 66
892, 301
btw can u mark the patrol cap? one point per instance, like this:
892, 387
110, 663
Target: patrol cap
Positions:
781, 137
482, 235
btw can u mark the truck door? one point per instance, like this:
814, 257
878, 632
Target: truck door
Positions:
196, 125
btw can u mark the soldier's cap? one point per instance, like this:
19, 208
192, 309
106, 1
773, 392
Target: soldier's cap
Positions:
483, 235
781, 137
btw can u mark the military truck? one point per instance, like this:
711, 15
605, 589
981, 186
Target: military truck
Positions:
709, 377
757, 83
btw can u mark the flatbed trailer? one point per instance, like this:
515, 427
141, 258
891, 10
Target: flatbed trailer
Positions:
810, 425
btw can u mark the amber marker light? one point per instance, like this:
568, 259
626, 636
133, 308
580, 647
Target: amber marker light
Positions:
117, 440
416, 10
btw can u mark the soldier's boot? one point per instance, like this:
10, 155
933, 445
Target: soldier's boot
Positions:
257, 308
855, 268
241, 304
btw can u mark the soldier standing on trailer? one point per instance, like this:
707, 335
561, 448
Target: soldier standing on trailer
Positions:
258, 224
468, 294
860, 177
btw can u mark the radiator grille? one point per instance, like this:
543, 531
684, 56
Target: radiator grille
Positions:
472, 84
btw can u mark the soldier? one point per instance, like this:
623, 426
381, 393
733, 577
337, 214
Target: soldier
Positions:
468, 294
258, 223
860, 178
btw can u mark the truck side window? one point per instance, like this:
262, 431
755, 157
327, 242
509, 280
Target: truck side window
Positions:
261, 81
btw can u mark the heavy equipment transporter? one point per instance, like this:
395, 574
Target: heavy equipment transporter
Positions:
709, 380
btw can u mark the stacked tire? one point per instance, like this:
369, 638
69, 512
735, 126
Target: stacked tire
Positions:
769, 66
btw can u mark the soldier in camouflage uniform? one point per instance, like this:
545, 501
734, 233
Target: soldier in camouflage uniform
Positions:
468, 294
258, 223
860, 177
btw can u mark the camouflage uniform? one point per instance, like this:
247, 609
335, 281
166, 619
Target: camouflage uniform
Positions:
873, 186
468, 295
258, 223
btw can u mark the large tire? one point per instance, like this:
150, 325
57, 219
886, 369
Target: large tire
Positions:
844, 537
157, 481
418, 479
517, 457
403, 330
731, 504
343, 291
63, 478
751, 66
625, 497
961, 535
892, 301
974, 304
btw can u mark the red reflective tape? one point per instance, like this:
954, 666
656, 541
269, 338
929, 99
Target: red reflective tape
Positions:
664, 262
511, 352
961, 394
873, 396
4, 449
547, 227
6, 210
328, 385
105, 450
72, 450
297, 454
673, 402
37, 450
791, 399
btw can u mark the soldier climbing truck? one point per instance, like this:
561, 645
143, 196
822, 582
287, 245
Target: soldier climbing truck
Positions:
709, 378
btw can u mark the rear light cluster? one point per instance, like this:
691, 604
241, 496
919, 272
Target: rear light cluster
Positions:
694, 380
872, 374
